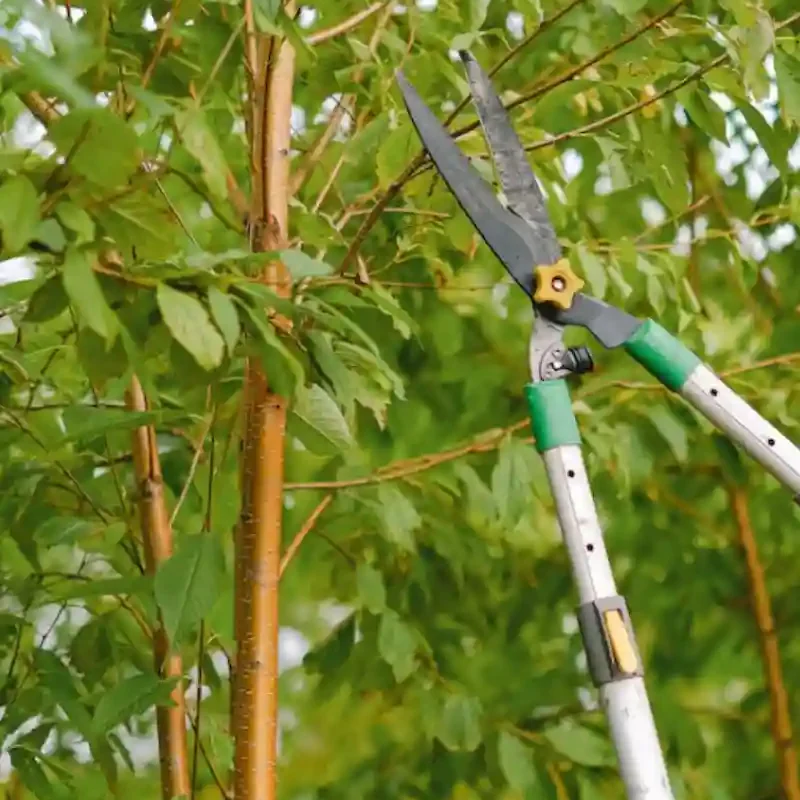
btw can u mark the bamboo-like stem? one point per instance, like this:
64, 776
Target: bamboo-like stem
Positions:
770, 653
157, 539
258, 541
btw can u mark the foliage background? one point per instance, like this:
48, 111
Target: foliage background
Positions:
429, 647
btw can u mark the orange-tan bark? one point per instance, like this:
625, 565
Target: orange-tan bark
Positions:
770, 653
258, 540
157, 540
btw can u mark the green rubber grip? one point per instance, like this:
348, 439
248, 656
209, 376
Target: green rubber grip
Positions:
552, 420
662, 355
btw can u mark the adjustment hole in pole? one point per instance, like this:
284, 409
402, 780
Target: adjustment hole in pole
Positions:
590, 547
714, 392
570, 473
771, 442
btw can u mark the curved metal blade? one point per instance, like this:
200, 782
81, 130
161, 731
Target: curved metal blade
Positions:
516, 176
509, 236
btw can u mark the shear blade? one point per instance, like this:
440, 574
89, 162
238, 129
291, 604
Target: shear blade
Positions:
516, 176
511, 238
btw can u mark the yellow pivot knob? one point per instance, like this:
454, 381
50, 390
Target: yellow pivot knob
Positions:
557, 284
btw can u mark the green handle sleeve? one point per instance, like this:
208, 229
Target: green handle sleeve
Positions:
662, 355
552, 420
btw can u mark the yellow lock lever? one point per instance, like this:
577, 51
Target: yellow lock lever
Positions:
556, 284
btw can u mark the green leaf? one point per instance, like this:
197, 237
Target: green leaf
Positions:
99, 144
199, 140
397, 149
402, 321
397, 645
459, 728
787, 74
371, 591
223, 309
301, 265
33, 777
322, 418
755, 42
516, 762
730, 460
593, 270
477, 13
87, 421
47, 302
775, 145
50, 234
64, 688
704, 112
19, 214
673, 432
186, 584
284, 370
334, 650
189, 323
74, 218
580, 745
399, 517
111, 587
84, 290
62, 530
130, 697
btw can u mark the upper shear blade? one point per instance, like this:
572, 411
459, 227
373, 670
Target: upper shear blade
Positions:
509, 236
516, 176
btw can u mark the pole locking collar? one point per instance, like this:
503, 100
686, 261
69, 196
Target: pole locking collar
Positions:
556, 284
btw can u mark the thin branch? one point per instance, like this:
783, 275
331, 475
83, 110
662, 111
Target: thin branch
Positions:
198, 453
223, 790
147, 74
487, 441
40, 108
240, 204
406, 468
22, 425
770, 652
220, 60
420, 160
632, 109
202, 633
345, 26
198, 702
600, 56
329, 183
573, 72
375, 212
315, 153
546, 25
307, 527
176, 214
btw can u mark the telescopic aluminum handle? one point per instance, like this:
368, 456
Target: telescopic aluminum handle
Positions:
682, 371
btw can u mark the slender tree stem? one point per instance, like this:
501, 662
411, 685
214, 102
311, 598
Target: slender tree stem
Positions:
770, 653
157, 538
255, 683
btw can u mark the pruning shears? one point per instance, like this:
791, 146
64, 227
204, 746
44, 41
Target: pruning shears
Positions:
521, 235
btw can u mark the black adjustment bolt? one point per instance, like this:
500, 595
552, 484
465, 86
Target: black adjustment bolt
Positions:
578, 360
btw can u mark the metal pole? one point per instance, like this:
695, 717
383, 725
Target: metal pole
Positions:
614, 660
745, 426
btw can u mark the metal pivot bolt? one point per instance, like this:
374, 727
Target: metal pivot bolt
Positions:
556, 284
